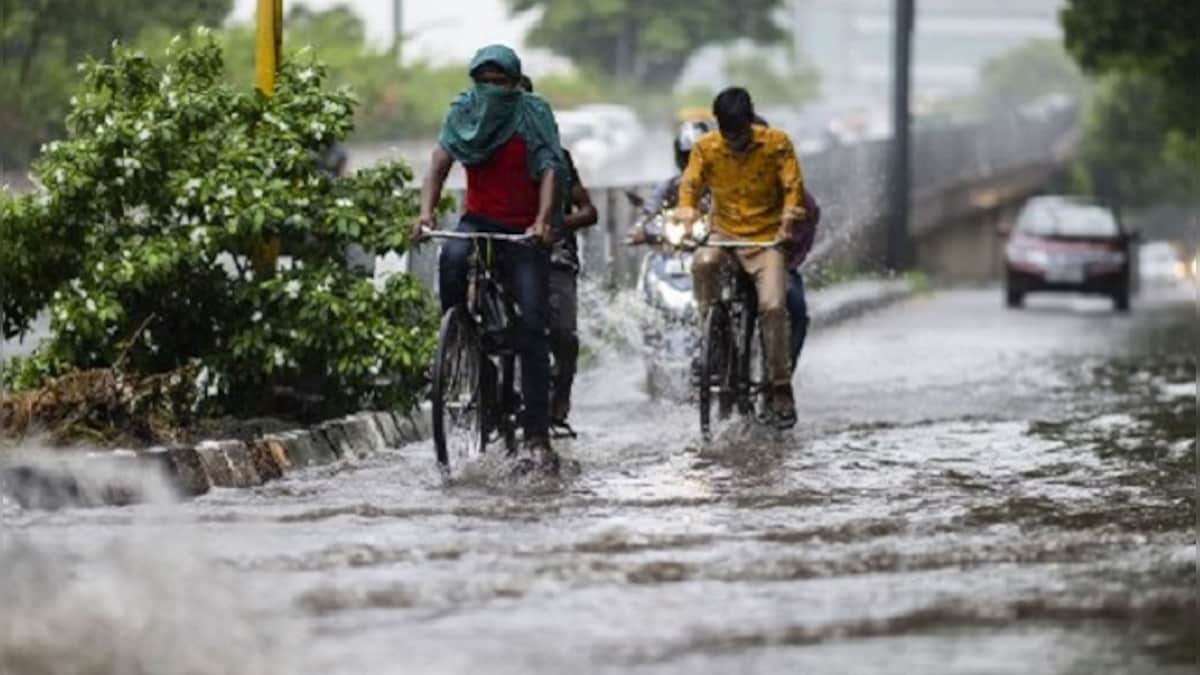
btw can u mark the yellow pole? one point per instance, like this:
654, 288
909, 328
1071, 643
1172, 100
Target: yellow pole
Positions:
267, 46
268, 39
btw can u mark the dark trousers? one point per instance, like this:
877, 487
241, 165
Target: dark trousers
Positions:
524, 271
798, 314
564, 338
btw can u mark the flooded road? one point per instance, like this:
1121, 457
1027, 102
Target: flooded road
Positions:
970, 490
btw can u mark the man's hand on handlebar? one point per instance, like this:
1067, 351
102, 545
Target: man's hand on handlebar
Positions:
541, 231
422, 228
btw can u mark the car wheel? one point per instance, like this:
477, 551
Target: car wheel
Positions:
1121, 300
1014, 298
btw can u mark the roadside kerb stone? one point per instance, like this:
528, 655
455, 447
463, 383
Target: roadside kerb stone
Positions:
388, 429
335, 435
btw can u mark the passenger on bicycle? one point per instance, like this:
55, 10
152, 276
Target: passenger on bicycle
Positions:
666, 193
580, 213
757, 192
508, 142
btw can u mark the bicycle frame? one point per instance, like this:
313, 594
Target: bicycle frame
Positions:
480, 269
736, 302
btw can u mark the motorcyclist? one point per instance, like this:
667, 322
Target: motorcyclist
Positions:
666, 193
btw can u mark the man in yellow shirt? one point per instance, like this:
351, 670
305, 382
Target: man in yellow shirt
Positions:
757, 193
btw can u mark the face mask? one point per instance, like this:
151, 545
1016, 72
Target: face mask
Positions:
740, 143
489, 90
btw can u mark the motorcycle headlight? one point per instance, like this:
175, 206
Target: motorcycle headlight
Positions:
674, 232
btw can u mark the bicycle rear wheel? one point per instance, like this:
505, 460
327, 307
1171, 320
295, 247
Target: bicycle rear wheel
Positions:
459, 429
717, 365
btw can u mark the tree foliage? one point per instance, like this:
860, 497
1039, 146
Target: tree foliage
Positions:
138, 240
1126, 144
645, 42
1155, 39
40, 42
1026, 73
769, 84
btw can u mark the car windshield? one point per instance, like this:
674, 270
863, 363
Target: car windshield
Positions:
1066, 219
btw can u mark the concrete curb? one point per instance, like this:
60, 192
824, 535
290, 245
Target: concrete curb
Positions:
123, 477
854, 298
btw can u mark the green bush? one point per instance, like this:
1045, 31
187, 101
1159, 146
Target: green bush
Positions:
140, 240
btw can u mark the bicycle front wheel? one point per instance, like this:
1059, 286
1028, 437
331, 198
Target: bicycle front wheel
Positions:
458, 393
717, 364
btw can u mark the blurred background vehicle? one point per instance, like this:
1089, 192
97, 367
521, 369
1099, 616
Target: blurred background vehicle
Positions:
1064, 243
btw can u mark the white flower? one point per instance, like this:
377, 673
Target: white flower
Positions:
175, 40
306, 75
192, 185
91, 305
258, 193
60, 176
317, 127
144, 135
344, 203
226, 193
257, 316
331, 108
279, 357
292, 289
199, 236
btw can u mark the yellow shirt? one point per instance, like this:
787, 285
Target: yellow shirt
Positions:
751, 189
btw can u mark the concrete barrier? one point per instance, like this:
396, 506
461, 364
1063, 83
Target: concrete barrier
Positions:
120, 477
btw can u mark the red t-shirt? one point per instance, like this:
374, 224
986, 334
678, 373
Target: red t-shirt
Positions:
501, 190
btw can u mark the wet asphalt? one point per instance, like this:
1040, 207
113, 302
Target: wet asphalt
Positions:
970, 490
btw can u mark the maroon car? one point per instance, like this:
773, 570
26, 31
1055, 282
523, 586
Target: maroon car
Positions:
1068, 244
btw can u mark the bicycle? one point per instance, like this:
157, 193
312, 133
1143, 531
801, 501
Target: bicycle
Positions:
732, 358
474, 369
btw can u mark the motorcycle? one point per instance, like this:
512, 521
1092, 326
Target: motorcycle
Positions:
665, 284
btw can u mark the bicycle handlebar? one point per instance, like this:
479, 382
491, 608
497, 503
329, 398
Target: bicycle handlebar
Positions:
738, 244
493, 236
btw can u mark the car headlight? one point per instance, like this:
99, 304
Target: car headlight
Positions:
1029, 255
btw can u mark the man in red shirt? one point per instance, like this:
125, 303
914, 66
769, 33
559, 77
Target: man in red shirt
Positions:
508, 142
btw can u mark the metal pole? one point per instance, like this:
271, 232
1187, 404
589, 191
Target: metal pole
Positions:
268, 41
398, 30
268, 38
898, 241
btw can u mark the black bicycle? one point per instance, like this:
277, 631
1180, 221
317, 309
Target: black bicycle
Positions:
732, 358
474, 393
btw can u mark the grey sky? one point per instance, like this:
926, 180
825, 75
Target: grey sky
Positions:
446, 32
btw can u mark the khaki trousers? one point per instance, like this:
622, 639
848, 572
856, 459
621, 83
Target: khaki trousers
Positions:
768, 268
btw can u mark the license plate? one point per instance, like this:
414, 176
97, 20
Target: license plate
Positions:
1065, 274
678, 267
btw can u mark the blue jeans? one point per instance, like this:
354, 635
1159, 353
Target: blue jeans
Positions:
798, 312
524, 270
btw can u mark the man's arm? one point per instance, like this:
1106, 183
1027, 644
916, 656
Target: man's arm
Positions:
662, 193
431, 189
547, 201
691, 186
791, 178
584, 213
